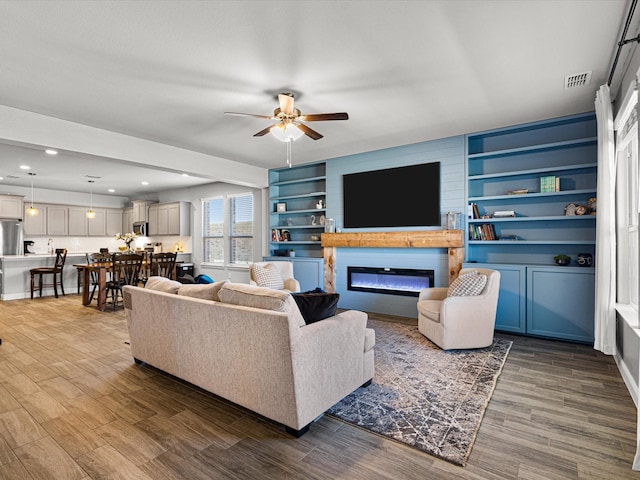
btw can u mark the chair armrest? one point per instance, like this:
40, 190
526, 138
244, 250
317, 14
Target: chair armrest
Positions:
292, 285
437, 293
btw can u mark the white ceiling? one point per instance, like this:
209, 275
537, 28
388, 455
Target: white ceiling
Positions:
405, 72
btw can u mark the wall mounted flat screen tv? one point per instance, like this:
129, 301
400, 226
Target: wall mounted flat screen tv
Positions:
394, 197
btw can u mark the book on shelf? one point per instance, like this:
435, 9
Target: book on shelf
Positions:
504, 213
518, 191
485, 231
472, 211
549, 183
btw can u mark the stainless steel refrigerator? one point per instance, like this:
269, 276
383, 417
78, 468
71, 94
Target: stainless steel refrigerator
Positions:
11, 237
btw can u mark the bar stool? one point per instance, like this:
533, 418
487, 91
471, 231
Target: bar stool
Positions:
56, 271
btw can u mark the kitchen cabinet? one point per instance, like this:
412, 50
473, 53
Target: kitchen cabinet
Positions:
113, 221
97, 226
11, 206
127, 221
35, 226
170, 219
57, 220
77, 221
153, 220
140, 211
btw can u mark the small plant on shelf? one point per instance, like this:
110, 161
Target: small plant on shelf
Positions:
562, 259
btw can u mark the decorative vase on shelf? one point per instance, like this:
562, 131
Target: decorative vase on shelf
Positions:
562, 260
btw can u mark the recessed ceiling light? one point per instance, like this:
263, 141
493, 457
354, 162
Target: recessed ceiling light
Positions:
1, 178
111, 190
185, 174
51, 151
145, 183
25, 167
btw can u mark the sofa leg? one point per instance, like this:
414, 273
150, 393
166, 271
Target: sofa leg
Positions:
297, 433
367, 383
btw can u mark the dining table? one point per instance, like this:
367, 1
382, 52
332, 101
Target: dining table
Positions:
100, 268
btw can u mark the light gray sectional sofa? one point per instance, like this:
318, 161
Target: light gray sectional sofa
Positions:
251, 347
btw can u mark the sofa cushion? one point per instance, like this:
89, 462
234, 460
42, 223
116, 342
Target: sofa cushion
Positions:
315, 306
206, 291
261, 297
467, 285
162, 284
267, 276
430, 309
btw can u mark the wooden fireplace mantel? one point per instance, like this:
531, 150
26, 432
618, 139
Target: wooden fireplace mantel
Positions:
450, 239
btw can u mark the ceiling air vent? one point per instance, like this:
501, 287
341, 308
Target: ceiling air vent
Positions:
577, 80
11, 176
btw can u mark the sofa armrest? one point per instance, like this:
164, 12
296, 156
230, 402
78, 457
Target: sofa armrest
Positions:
436, 293
328, 361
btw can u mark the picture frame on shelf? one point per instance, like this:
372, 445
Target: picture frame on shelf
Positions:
281, 207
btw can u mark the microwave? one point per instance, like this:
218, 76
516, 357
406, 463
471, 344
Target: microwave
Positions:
140, 228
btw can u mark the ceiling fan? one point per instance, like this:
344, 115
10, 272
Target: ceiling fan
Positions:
289, 120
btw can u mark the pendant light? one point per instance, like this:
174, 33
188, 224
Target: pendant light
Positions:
32, 211
90, 213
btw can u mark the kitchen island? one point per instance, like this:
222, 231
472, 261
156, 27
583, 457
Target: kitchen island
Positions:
15, 280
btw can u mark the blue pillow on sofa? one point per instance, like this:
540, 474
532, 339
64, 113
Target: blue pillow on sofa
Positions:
316, 305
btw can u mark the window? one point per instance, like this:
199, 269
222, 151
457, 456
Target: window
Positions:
213, 230
241, 228
227, 231
627, 201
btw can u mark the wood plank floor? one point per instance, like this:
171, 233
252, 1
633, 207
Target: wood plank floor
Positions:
73, 405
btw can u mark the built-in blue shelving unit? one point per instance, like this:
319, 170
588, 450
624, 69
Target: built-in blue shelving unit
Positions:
546, 223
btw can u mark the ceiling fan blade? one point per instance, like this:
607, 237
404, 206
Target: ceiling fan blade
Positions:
319, 117
264, 131
309, 132
268, 117
286, 103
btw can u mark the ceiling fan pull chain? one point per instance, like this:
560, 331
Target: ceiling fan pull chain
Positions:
289, 153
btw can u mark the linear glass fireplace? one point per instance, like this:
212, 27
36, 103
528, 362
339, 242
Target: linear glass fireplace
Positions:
392, 281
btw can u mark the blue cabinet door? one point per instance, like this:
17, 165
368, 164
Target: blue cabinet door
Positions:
561, 302
511, 313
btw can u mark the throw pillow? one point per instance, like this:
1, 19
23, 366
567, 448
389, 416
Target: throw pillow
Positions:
316, 306
208, 291
162, 284
186, 278
261, 297
467, 285
267, 276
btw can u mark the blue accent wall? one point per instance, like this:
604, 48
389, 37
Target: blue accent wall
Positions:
450, 153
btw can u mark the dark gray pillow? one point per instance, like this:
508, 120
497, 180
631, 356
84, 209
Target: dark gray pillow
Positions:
316, 306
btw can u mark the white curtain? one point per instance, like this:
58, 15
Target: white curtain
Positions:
605, 261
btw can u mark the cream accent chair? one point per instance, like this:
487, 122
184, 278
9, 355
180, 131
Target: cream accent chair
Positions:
286, 271
460, 322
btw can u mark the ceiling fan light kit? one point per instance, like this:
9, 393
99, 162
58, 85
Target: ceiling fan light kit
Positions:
286, 133
289, 124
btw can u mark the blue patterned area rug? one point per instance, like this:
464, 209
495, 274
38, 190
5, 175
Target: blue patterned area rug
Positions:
423, 396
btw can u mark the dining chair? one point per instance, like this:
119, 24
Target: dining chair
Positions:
162, 264
56, 271
93, 258
125, 270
